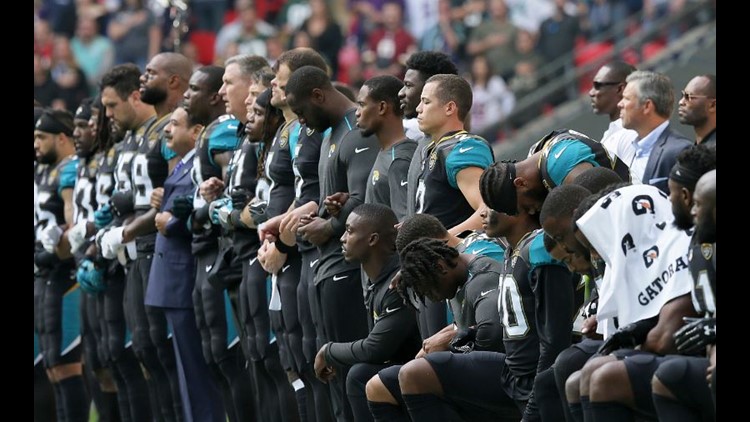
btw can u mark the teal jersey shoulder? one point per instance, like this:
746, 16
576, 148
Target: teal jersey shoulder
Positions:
564, 155
68, 172
537, 254
469, 152
481, 244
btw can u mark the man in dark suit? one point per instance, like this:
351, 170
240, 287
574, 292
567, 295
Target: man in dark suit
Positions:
647, 102
172, 276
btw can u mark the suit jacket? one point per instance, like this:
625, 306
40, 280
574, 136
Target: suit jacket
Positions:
172, 276
663, 157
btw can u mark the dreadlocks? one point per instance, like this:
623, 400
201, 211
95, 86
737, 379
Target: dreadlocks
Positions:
105, 137
419, 267
497, 188
274, 119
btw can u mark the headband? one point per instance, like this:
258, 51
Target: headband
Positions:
685, 176
84, 111
50, 124
508, 199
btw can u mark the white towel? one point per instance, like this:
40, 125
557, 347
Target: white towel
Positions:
646, 255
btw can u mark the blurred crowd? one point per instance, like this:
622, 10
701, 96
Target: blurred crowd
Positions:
498, 45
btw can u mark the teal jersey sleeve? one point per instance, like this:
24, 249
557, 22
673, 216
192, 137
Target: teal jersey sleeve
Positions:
68, 175
166, 151
538, 255
563, 156
223, 137
470, 152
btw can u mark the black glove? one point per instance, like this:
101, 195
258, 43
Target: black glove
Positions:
44, 259
629, 336
258, 212
182, 206
123, 203
200, 217
463, 341
240, 198
695, 335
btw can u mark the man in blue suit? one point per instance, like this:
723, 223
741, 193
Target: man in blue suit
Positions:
172, 275
646, 105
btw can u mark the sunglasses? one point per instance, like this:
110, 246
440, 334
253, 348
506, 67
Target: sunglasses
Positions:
598, 85
690, 97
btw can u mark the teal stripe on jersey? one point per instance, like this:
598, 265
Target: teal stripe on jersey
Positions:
294, 131
269, 286
128, 338
71, 319
232, 333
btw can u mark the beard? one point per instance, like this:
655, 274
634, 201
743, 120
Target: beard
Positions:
49, 158
682, 221
153, 96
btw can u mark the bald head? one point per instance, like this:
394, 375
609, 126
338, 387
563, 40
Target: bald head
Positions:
704, 207
165, 80
706, 187
176, 64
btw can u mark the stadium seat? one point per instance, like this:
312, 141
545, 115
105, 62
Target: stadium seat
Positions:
204, 43
588, 53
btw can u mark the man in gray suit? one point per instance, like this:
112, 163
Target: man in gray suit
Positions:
172, 277
647, 102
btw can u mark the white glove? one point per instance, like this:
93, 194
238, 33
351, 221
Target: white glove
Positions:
223, 214
51, 237
111, 242
77, 235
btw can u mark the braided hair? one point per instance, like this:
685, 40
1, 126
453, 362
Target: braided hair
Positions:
274, 118
417, 226
105, 137
497, 189
419, 267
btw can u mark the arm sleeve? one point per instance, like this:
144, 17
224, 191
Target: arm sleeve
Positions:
554, 290
482, 294
178, 228
309, 154
397, 175
489, 328
384, 340
358, 168
471, 152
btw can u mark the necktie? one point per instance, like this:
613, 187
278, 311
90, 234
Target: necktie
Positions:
178, 167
